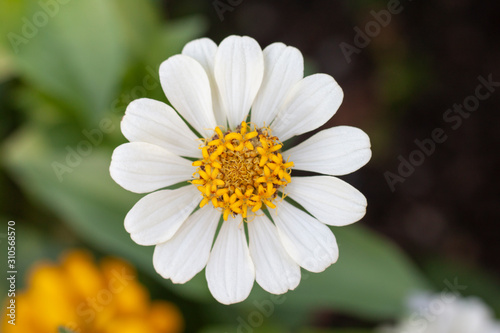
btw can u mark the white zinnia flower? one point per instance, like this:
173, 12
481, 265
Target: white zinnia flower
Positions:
446, 313
240, 168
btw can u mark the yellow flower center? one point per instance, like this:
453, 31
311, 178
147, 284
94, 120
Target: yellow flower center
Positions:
241, 170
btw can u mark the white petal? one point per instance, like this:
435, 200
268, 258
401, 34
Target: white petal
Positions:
335, 151
275, 271
147, 120
230, 271
239, 68
310, 103
283, 67
155, 218
203, 50
331, 200
494, 328
309, 242
186, 86
142, 167
186, 254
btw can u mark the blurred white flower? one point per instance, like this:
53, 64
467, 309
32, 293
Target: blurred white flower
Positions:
446, 313
241, 167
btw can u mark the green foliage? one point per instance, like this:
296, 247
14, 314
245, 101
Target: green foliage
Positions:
72, 69
75, 61
64, 330
349, 330
476, 282
79, 57
260, 329
371, 279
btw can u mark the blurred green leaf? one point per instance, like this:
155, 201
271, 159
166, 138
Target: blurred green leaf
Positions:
244, 327
77, 56
75, 67
172, 38
140, 23
478, 282
12, 13
31, 246
3, 245
64, 330
87, 198
142, 78
78, 53
372, 279
343, 330
401, 79
7, 69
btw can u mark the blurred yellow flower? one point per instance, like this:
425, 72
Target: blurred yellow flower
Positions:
87, 298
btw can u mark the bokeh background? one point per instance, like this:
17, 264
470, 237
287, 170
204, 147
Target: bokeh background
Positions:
69, 68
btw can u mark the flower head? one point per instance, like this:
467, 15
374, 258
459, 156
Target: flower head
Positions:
86, 298
239, 105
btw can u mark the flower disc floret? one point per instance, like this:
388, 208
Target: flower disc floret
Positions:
241, 170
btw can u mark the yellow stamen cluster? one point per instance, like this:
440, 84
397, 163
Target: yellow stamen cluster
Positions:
241, 170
